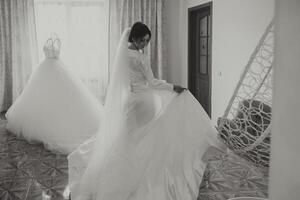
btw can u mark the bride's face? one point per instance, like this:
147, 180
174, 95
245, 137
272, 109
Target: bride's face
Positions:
141, 43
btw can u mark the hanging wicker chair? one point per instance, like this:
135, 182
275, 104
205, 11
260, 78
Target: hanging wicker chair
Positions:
246, 123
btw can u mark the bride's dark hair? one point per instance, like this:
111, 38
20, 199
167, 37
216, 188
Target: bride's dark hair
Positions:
138, 30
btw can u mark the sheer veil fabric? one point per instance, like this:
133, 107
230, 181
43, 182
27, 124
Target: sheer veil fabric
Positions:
111, 133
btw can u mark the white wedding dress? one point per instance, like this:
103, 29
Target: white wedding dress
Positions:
159, 156
55, 107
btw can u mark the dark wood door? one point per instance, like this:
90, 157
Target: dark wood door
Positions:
199, 54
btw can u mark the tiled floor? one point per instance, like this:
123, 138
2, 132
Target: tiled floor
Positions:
228, 176
30, 172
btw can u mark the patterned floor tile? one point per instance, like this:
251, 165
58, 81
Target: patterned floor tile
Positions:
28, 171
228, 176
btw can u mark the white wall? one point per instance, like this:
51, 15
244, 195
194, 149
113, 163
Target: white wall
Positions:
285, 160
172, 31
237, 28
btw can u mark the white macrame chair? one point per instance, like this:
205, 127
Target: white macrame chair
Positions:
247, 198
246, 123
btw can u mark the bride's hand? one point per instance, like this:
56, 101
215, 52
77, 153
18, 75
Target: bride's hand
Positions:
178, 89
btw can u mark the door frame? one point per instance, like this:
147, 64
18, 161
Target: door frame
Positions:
190, 77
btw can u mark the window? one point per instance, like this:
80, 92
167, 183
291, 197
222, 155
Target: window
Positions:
82, 26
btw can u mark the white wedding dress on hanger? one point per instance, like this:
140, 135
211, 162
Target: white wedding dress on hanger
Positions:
156, 154
55, 107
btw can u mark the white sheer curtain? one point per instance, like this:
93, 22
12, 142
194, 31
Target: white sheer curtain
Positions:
5, 56
90, 31
82, 26
123, 13
18, 48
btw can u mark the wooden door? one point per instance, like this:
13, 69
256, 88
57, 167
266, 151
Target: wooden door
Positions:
199, 54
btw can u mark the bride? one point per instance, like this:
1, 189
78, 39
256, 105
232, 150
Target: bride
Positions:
153, 137
55, 107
